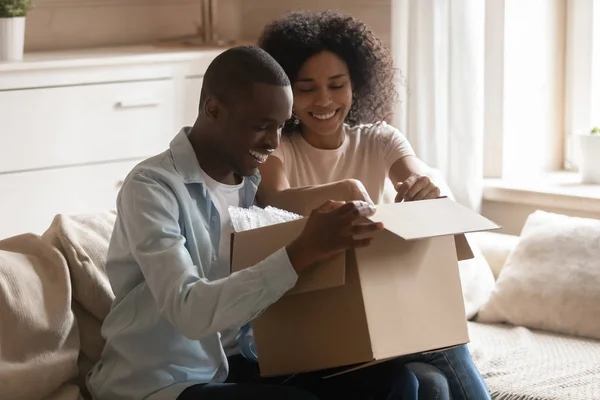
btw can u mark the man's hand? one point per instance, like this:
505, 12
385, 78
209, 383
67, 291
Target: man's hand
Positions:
416, 187
331, 229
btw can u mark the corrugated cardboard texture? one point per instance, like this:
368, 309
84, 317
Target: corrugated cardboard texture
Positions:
430, 218
251, 247
412, 294
316, 330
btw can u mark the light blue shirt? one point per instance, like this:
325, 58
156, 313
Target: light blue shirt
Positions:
171, 298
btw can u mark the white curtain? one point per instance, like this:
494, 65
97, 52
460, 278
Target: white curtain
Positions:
438, 46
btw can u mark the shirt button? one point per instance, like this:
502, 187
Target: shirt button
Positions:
214, 257
214, 219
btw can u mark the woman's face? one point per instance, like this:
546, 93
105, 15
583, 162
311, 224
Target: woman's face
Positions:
322, 94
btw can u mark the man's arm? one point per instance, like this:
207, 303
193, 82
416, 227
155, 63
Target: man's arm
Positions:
149, 214
275, 190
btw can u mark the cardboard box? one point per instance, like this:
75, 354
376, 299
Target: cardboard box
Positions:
401, 295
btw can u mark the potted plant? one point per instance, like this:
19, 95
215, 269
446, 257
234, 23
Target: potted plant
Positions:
589, 147
12, 28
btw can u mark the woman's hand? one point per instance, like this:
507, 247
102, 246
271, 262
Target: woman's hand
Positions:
416, 187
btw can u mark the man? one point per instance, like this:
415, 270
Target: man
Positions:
177, 309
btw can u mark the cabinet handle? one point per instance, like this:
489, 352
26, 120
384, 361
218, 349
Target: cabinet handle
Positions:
137, 103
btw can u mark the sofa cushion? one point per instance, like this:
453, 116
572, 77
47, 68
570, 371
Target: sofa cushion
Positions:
551, 281
39, 341
83, 240
496, 247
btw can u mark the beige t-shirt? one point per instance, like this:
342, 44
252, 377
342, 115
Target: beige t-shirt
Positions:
366, 154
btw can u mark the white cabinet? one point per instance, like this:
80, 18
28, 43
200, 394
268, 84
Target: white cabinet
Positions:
191, 94
47, 127
73, 124
30, 200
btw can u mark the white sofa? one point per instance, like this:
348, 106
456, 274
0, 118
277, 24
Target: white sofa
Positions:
54, 294
520, 363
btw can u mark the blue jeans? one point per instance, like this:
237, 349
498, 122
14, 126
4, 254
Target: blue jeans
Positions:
451, 370
386, 381
441, 375
416, 377
426, 382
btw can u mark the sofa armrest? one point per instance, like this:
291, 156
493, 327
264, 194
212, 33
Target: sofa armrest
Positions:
495, 247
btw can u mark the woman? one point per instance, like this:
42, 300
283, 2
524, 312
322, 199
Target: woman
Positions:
337, 145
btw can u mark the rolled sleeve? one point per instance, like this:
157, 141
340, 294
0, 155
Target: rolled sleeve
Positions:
278, 273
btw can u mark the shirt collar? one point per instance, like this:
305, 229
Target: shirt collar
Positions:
186, 161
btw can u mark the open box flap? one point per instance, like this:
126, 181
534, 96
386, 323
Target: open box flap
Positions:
250, 247
430, 218
463, 248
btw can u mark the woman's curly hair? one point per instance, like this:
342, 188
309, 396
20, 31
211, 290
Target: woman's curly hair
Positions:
293, 39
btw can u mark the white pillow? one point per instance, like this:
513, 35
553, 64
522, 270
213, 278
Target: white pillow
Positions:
551, 281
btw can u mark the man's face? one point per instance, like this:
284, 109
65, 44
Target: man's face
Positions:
252, 127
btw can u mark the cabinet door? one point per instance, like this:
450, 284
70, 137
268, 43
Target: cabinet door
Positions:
30, 200
191, 99
59, 126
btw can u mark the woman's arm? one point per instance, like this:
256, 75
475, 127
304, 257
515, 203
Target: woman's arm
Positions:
274, 190
411, 177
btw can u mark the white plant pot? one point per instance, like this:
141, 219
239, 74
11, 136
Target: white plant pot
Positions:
12, 38
589, 147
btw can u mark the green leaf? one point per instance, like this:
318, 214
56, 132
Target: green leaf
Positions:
14, 8
595, 131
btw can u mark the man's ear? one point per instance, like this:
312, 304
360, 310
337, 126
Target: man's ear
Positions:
212, 108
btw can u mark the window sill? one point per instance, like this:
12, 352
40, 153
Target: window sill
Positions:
557, 189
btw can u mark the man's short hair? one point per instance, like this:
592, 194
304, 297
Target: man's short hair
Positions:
231, 74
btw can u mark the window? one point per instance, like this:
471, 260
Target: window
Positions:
542, 84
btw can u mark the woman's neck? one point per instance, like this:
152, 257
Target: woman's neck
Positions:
325, 142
